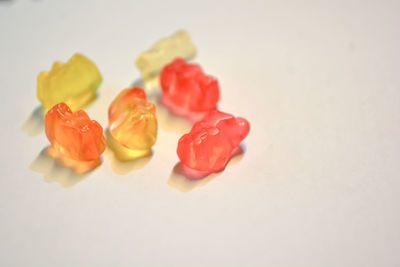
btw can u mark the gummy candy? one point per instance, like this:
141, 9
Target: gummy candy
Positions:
212, 142
163, 52
76, 139
74, 83
74, 134
132, 120
123, 154
187, 90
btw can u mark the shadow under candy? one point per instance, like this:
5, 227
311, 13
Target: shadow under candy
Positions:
186, 180
34, 124
138, 83
124, 160
55, 171
169, 121
151, 86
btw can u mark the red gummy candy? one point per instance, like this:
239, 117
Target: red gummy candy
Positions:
212, 142
187, 90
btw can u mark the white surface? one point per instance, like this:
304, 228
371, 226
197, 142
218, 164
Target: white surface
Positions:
318, 185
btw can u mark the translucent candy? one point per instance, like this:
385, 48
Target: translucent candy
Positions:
163, 52
76, 139
132, 120
187, 90
212, 142
74, 83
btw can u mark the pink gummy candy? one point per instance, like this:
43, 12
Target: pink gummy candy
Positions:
187, 90
212, 142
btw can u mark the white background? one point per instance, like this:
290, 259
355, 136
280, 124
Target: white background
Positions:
318, 184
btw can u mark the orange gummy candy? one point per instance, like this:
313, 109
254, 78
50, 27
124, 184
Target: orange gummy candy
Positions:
76, 139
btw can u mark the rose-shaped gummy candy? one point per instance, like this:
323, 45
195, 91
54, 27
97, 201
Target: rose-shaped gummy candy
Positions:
74, 83
163, 52
212, 142
75, 138
132, 120
187, 90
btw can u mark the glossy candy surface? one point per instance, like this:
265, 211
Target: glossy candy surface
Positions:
75, 138
75, 135
187, 90
74, 83
163, 52
212, 142
132, 120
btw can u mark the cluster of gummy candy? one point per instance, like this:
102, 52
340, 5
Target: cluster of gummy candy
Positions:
187, 91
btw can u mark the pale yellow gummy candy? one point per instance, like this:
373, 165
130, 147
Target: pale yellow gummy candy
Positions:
151, 62
74, 83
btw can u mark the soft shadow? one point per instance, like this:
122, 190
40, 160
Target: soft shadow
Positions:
185, 181
169, 121
34, 124
138, 83
124, 160
152, 85
6, 2
54, 170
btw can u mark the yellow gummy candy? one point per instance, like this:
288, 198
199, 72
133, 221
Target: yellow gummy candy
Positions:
132, 120
74, 83
151, 62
